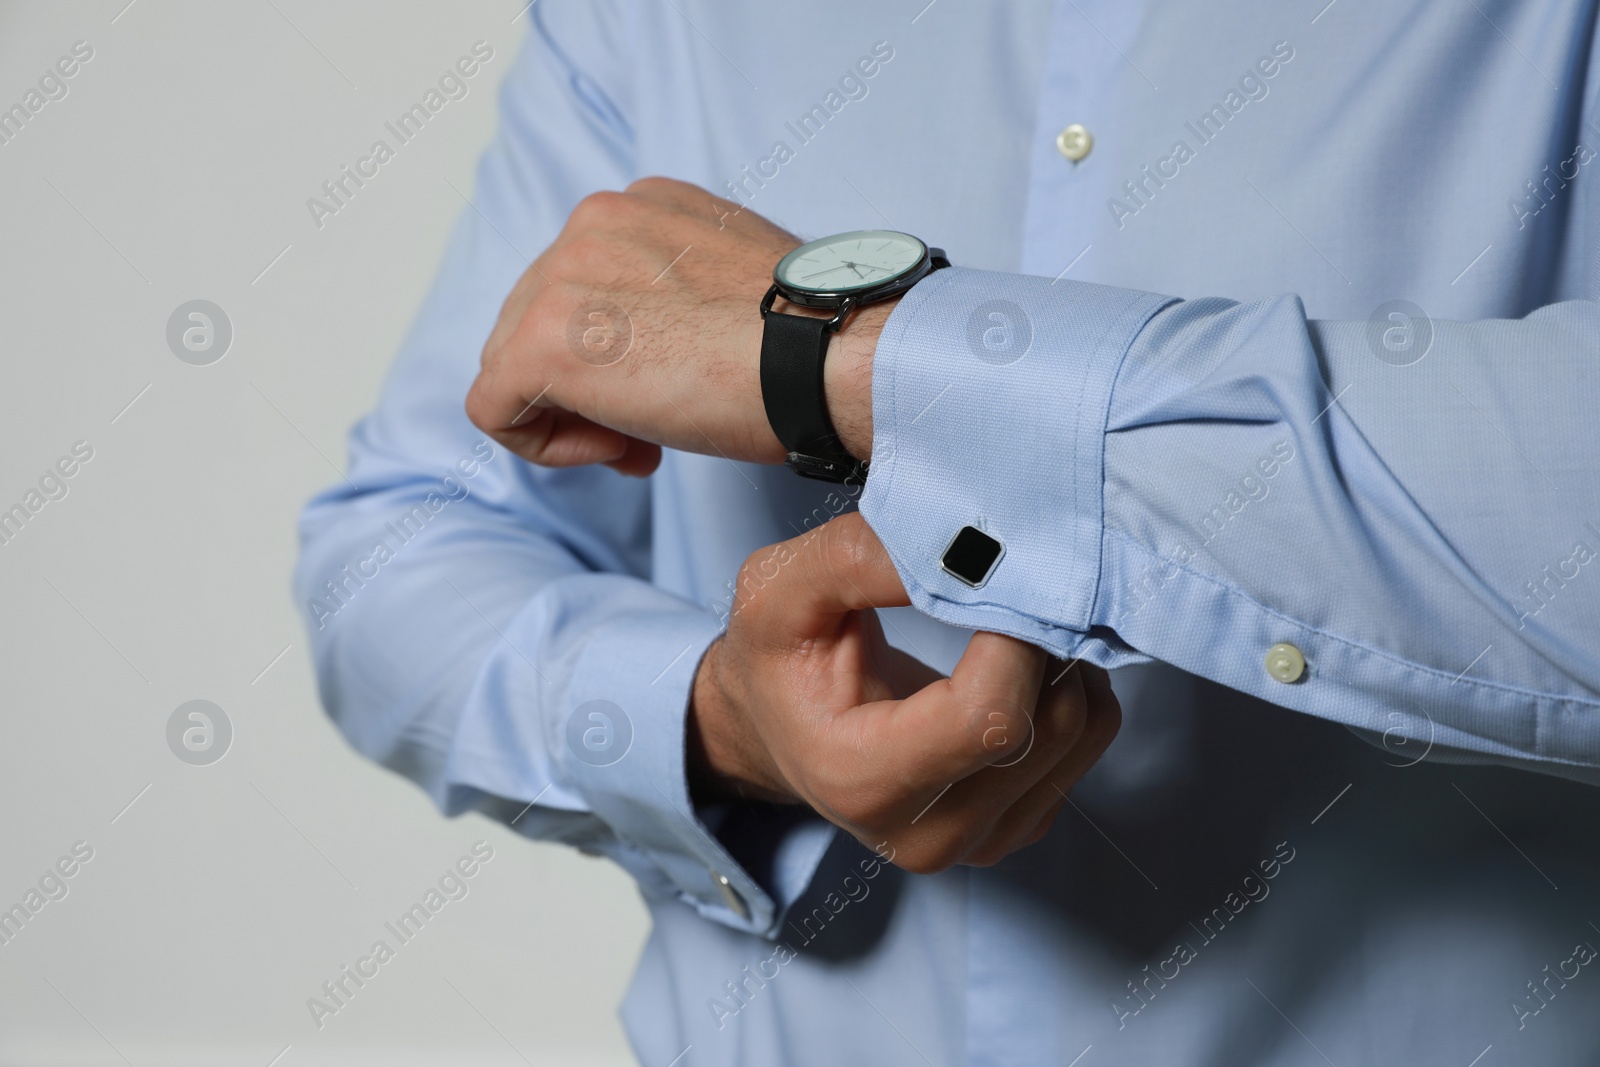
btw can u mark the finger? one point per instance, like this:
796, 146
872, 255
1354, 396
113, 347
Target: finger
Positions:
996, 685
555, 437
1031, 817
1012, 802
937, 732
980, 806
504, 396
510, 317
1014, 764
640, 461
905, 674
809, 583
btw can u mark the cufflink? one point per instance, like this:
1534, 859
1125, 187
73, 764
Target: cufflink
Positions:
971, 556
730, 895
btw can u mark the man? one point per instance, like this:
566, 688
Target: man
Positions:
1367, 492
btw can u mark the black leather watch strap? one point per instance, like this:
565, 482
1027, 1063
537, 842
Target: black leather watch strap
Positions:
794, 349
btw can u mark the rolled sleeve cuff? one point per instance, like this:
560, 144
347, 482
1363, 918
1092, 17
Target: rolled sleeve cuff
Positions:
596, 724
989, 400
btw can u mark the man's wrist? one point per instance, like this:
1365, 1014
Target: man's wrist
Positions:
718, 751
847, 377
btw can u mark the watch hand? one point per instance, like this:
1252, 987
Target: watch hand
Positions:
820, 273
852, 266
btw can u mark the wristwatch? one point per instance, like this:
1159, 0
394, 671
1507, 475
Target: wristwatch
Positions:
842, 273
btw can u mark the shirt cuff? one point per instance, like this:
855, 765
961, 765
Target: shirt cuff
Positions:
597, 725
990, 394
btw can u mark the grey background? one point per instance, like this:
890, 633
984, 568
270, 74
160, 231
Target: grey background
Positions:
177, 168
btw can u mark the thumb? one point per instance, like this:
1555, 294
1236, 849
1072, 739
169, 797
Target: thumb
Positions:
953, 727
805, 585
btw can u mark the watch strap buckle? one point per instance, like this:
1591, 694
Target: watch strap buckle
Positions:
844, 468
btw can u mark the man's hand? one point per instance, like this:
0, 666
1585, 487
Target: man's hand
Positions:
639, 328
802, 699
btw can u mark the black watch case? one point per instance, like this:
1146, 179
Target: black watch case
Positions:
846, 300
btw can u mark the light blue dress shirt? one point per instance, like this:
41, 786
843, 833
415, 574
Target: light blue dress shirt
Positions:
1302, 350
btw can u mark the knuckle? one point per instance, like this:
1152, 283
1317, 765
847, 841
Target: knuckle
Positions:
749, 578
491, 363
1007, 739
582, 256
851, 811
489, 360
600, 207
1103, 726
759, 569
856, 807
1000, 724
1109, 708
918, 863
477, 405
987, 856
749, 567
940, 854
1046, 824
955, 840
652, 183
848, 545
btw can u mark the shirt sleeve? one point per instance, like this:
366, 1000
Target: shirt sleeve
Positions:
487, 627
1413, 505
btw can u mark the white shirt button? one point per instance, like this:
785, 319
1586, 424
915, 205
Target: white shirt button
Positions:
730, 895
1075, 142
1285, 663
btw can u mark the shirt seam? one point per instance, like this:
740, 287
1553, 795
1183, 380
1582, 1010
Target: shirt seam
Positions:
1433, 672
1104, 428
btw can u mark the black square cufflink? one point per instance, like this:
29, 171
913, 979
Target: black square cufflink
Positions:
971, 556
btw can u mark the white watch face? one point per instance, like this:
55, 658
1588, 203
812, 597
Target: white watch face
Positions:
845, 262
